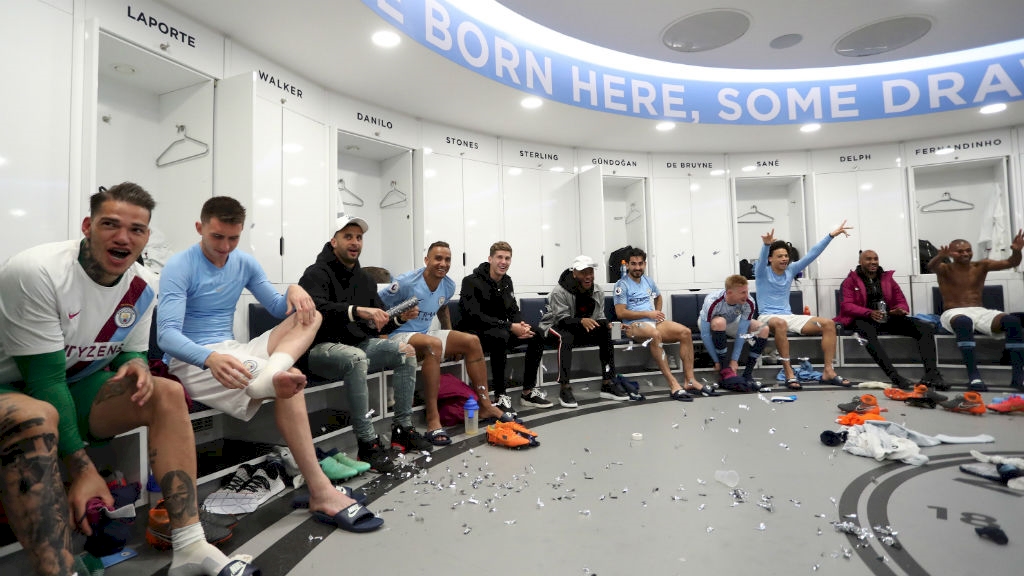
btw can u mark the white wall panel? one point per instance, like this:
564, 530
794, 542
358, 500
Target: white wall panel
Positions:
305, 194
521, 200
481, 193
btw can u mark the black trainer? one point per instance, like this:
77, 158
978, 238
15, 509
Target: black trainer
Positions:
902, 383
935, 381
534, 397
612, 390
406, 438
377, 456
566, 398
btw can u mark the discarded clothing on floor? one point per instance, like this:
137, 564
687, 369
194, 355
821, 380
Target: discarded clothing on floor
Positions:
926, 440
804, 372
874, 442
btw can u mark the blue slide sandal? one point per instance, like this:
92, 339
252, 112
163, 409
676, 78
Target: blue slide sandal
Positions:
355, 518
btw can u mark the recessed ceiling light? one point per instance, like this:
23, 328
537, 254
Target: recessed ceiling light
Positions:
717, 172
811, 127
786, 41
705, 31
531, 102
125, 69
665, 126
883, 36
944, 151
386, 39
993, 108
749, 168
515, 171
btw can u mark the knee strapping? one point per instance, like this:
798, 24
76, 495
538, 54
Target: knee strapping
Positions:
1011, 325
963, 327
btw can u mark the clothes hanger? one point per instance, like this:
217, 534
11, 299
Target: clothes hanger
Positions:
185, 138
949, 203
765, 218
394, 197
342, 190
633, 215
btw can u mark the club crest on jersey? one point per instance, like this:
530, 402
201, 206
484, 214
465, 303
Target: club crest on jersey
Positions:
618, 290
440, 301
251, 366
125, 316
393, 288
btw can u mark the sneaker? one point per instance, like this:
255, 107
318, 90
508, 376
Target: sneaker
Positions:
938, 398
968, 402
612, 390
935, 381
902, 383
566, 398
920, 402
865, 404
504, 402
358, 465
229, 498
379, 458
158, 530
1011, 404
901, 395
535, 397
503, 436
265, 483
291, 467
977, 385
406, 438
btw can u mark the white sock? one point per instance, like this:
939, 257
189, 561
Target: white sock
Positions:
979, 439
262, 386
193, 555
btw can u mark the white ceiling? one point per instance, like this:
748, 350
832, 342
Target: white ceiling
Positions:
328, 42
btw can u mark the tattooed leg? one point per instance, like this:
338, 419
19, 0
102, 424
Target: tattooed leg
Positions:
30, 483
172, 452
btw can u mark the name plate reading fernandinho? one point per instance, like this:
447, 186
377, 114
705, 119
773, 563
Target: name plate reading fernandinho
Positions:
991, 144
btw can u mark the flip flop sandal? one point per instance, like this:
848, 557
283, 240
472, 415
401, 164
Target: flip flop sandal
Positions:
438, 437
239, 567
302, 500
505, 417
793, 384
681, 395
836, 380
355, 518
705, 390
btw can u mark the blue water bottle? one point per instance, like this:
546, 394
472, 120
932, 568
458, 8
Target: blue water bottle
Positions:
471, 410
623, 270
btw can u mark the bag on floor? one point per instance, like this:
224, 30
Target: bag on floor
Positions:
452, 394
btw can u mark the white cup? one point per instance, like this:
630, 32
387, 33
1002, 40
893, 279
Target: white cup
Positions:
728, 477
616, 330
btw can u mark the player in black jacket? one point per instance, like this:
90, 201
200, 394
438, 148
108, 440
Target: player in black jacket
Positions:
489, 310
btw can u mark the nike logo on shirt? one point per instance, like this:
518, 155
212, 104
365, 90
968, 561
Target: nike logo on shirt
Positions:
72, 316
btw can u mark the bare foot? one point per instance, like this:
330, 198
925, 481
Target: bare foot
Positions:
329, 501
287, 384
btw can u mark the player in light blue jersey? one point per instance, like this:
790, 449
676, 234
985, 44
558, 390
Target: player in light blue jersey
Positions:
199, 290
638, 304
774, 276
434, 289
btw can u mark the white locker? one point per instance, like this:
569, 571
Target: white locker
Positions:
275, 162
522, 206
692, 231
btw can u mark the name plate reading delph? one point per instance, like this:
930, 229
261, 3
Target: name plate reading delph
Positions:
852, 158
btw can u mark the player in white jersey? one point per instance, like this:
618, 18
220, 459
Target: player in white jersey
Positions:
638, 304
76, 319
434, 289
729, 312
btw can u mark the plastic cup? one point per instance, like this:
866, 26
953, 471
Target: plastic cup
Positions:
616, 330
730, 478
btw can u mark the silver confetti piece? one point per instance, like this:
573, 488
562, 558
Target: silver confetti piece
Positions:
602, 497
744, 407
674, 425
771, 430
710, 529
370, 413
584, 512
700, 508
539, 503
467, 531
510, 522
761, 527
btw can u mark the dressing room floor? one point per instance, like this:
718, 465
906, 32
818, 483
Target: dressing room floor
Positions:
592, 500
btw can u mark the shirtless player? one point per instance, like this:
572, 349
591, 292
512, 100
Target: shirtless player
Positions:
960, 283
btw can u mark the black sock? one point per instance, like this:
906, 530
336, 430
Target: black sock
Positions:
718, 340
963, 327
753, 355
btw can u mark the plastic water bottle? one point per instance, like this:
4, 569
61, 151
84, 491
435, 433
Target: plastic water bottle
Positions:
884, 310
623, 270
472, 411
